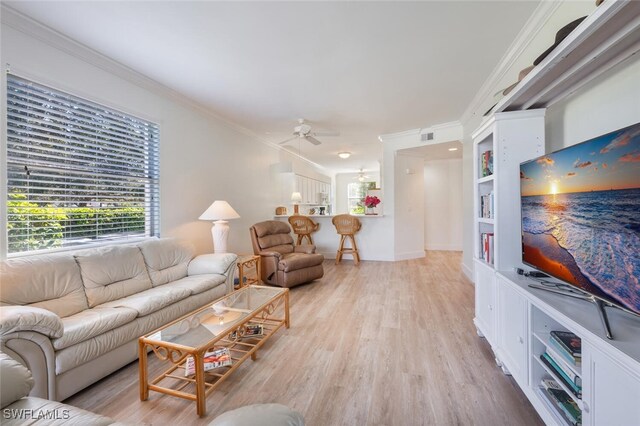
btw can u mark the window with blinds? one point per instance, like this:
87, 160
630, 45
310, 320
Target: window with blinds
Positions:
77, 172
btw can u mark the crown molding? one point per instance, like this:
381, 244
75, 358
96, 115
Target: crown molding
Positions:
59, 41
391, 136
527, 34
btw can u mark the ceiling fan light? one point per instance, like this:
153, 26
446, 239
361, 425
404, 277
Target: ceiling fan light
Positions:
361, 178
344, 155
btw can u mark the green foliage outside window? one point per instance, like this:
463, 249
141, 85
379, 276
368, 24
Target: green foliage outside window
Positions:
34, 227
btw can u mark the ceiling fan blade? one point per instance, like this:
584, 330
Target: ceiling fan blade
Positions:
288, 140
322, 134
313, 140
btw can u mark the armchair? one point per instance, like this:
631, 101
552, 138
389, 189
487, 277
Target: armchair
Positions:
284, 264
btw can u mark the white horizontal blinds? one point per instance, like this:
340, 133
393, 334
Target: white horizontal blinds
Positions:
77, 171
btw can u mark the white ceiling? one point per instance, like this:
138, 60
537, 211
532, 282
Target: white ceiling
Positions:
360, 68
439, 151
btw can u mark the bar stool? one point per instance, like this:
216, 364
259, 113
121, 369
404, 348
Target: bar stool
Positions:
347, 226
303, 227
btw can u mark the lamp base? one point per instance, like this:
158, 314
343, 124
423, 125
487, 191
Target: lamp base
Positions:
296, 210
220, 233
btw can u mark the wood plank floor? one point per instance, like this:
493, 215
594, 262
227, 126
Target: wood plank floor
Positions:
382, 343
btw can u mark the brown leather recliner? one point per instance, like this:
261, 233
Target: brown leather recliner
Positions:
283, 264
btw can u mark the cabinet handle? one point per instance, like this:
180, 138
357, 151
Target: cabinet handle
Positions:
585, 407
490, 308
520, 340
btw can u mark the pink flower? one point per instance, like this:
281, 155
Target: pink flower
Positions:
371, 201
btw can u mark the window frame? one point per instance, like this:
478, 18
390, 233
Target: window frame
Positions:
127, 174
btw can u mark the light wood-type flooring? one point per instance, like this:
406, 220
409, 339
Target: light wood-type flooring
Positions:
381, 343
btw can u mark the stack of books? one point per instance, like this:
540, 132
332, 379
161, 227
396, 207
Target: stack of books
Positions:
561, 401
486, 205
568, 345
486, 163
486, 247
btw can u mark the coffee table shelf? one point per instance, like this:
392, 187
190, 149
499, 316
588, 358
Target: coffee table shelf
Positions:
207, 328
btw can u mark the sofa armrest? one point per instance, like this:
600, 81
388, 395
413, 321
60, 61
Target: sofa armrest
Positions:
307, 249
214, 263
27, 318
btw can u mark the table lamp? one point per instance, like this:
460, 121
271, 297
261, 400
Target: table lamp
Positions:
296, 197
219, 212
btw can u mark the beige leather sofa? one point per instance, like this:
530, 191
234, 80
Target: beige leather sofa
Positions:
282, 263
73, 318
18, 409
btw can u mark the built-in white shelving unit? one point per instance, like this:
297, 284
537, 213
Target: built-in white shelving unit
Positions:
515, 319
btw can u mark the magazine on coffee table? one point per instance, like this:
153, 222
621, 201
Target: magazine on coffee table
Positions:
251, 330
216, 358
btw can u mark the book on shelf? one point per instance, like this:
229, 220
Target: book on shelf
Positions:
560, 350
569, 341
486, 247
486, 163
549, 383
563, 404
566, 380
213, 359
486, 205
564, 367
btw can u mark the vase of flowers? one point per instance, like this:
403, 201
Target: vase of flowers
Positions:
371, 201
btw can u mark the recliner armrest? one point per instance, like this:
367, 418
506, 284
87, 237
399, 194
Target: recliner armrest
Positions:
275, 254
307, 249
28, 318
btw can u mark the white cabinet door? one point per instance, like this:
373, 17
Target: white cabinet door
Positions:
511, 330
485, 301
610, 390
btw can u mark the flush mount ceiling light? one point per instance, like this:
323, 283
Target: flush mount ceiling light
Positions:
453, 149
344, 155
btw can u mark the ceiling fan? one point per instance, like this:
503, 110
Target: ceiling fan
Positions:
361, 176
303, 131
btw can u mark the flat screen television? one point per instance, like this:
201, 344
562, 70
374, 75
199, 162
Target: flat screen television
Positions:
581, 216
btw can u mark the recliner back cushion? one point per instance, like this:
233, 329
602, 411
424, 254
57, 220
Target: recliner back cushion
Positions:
166, 259
50, 282
112, 273
274, 234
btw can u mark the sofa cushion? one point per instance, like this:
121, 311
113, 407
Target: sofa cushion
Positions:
151, 300
167, 259
199, 283
111, 273
90, 323
49, 282
295, 261
73, 356
212, 263
16, 380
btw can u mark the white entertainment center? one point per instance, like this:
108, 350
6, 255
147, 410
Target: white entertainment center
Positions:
515, 319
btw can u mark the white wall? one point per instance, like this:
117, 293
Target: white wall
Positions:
443, 204
409, 207
202, 158
609, 103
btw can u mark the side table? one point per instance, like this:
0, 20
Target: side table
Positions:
248, 270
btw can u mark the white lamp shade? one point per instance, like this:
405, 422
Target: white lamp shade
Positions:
219, 210
296, 197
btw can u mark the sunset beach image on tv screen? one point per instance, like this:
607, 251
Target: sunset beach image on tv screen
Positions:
581, 215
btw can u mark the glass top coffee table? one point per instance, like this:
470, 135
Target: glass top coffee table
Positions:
206, 345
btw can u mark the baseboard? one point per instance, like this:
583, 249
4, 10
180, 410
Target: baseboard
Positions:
468, 272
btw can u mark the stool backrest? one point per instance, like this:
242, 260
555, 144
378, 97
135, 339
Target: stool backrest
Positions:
346, 224
302, 224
